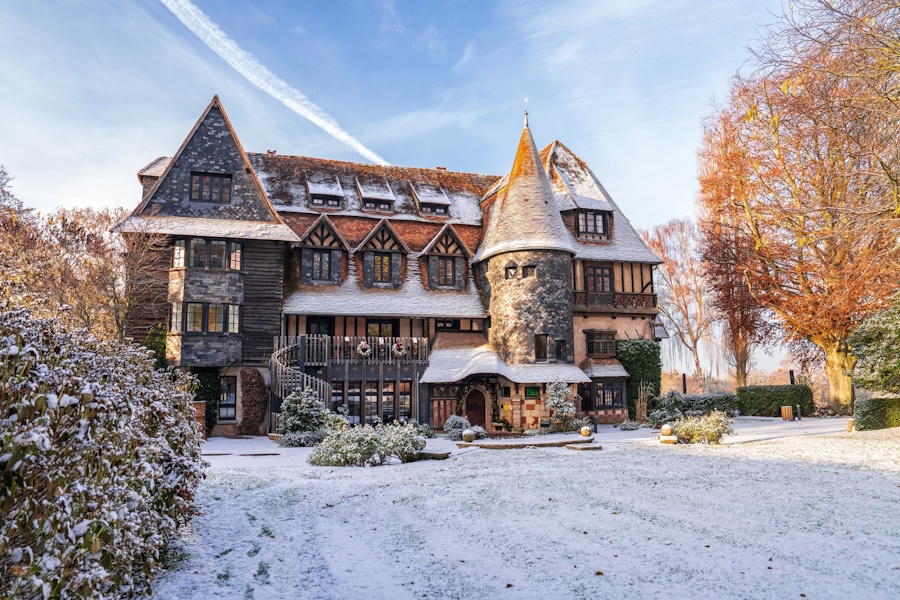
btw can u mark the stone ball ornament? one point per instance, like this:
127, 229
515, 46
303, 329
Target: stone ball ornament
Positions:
468, 435
666, 429
586, 431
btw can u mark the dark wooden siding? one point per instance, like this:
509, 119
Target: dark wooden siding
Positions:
263, 273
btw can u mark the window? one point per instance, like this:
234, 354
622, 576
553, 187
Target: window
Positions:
353, 396
321, 265
446, 270
387, 402
178, 254
194, 312
382, 267
447, 324
337, 396
380, 327
561, 350
216, 318
234, 318
592, 224
598, 280
433, 209
528, 271
512, 272
505, 391
379, 205
227, 398
197, 258
371, 402
329, 201
540, 347
601, 343
404, 401
532, 392
175, 318
609, 393
208, 187
217, 254
235, 258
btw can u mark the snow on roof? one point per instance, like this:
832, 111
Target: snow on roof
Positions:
659, 331
587, 192
378, 189
283, 178
456, 356
427, 194
603, 367
220, 228
324, 185
412, 299
524, 215
155, 167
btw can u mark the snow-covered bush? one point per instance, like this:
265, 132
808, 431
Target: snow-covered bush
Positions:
365, 445
302, 439
99, 461
454, 426
668, 409
559, 401
629, 425
708, 429
302, 411
424, 430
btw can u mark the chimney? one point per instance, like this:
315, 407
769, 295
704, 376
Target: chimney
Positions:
441, 169
272, 152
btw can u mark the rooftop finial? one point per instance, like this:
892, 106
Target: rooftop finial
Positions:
526, 111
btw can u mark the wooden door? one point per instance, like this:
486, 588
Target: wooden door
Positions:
475, 408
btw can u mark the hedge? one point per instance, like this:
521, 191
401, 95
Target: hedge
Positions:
767, 400
703, 404
876, 413
641, 359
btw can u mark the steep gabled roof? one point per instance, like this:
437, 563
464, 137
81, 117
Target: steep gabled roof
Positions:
324, 221
215, 103
383, 225
446, 230
524, 215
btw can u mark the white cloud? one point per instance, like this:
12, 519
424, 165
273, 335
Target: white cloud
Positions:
257, 74
467, 55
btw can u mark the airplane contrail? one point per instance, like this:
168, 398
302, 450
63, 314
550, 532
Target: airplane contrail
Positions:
247, 65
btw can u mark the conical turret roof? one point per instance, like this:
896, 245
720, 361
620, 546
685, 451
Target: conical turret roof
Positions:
524, 216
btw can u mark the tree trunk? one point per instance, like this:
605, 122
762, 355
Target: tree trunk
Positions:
741, 352
698, 370
839, 364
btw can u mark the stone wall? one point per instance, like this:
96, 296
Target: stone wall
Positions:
523, 307
200, 285
204, 349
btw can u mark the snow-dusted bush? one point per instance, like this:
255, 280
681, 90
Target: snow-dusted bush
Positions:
559, 401
668, 409
365, 445
629, 425
424, 430
302, 439
454, 426
99, 461
302, 411
708, 429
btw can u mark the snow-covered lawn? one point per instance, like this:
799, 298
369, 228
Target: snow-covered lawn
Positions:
775, 518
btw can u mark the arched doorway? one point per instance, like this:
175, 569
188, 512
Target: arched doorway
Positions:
475, 408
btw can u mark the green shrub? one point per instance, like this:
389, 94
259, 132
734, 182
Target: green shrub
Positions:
641, 359
708, 429
876, 413
703, 404
767, 400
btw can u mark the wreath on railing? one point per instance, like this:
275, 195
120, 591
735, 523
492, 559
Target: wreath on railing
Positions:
398, 350
364, 350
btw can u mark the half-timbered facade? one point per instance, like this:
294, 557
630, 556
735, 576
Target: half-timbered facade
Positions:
398, 293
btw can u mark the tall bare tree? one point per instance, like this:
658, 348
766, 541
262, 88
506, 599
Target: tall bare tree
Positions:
681, 284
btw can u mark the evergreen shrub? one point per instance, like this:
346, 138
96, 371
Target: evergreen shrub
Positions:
641, 359
876, 413
253, 401
767, 400
674, 406
707, 429
365, 445
304, 420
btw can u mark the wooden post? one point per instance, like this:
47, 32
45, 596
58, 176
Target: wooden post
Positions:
684, 383
791, 373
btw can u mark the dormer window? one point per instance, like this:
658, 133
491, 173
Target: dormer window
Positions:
326, 201
592, 224
433, 209
512, 272
379, 205
210, 187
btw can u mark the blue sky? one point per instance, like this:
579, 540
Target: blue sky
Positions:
94, 90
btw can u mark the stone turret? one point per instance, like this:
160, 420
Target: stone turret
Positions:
526, 263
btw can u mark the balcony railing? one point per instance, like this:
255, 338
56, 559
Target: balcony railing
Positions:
618, 300
320, 350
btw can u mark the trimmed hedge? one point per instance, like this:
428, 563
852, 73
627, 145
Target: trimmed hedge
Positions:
876, 413
767, 400
641, 359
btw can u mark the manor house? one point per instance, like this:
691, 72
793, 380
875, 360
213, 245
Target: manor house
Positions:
397, 292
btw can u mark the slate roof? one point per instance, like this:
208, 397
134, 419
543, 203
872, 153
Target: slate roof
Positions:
603, 367
455, 356
524, 215
214, 228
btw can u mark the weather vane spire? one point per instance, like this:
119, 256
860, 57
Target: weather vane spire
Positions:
526, 111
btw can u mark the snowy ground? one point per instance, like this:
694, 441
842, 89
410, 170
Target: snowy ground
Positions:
799, 508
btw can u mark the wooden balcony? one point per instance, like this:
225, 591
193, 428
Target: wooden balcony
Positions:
322, 350
616, 300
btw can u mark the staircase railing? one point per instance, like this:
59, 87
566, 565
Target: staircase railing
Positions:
288, 377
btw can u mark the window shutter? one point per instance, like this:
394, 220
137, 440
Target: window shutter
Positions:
460, 273
336, 260
396, 263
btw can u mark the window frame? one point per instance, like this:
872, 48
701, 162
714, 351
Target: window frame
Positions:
559, 350
532, 391
220, 310
324, 271
538, 355
587, 221
179, 254
597, 343
443, 262
199, 188
447, 325
201, 327
192, 256
225, 256
599, 274
231, 255
529, 271
378, 271
233, 319
226, 383
511, 272
176, 317
404, 401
